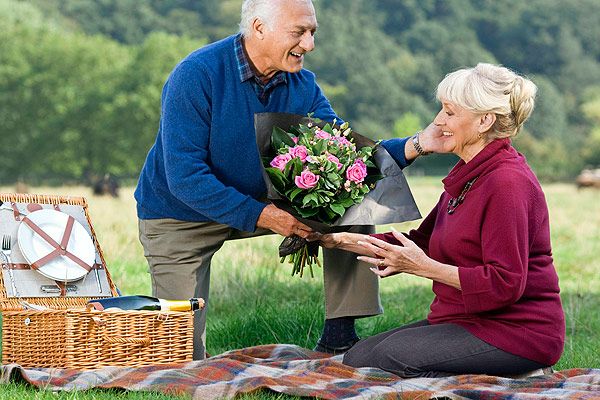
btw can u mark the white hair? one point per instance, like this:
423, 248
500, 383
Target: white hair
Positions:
489, 88
263, 9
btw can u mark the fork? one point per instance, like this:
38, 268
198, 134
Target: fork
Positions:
6, 249
6, 246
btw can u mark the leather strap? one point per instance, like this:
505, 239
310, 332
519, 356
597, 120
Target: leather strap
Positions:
20, 266
16, 212
59, 249
32, 207
63, 288
16, 266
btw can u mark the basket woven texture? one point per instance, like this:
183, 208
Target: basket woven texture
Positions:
69, 335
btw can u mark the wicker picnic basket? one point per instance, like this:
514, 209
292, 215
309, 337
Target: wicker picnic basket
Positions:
70, 335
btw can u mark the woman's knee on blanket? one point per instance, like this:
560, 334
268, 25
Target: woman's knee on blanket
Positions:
381, 356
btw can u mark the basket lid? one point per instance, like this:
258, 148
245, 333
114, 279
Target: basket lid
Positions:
39, 289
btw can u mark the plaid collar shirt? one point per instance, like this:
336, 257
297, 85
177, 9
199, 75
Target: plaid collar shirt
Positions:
246, 73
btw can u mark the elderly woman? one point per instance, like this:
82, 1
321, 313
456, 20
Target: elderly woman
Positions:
485, 246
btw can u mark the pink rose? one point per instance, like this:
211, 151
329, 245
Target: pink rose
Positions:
334, 160
280, 161
299, 151
321, 134
306, 180
295, 139
357, 171
342, 141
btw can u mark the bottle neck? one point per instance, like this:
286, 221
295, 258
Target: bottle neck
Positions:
179, 305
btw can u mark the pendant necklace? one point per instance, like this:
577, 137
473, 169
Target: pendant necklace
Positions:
455, 202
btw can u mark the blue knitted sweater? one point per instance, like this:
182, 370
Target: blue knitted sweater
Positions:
204, 165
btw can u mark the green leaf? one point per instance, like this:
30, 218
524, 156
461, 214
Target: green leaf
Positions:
295, 130
370, 164
293, 167
338, 209
324, 199
368, 151
311, 197
277, 177
327, 128
347, 202
305, 129
297, 164
307, 212
280, 138
331, 216
292, 194
320, 147
334, 177
330, 185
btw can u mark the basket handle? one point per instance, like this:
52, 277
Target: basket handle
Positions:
144, 342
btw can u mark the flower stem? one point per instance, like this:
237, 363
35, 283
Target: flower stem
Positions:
300, 259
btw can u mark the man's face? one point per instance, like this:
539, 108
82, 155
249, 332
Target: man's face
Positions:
290, 36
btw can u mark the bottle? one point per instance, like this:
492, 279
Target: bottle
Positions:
146, 303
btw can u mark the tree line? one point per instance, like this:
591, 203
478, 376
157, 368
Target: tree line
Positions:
80, 80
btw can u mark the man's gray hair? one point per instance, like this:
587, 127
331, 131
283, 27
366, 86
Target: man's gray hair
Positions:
263, 9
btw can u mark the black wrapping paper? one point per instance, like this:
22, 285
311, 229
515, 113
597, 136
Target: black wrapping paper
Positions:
391, 201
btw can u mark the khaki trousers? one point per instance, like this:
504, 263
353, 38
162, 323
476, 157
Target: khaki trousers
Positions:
179, 254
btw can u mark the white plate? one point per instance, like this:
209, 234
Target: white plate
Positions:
34, 247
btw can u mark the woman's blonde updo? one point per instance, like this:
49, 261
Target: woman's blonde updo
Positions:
489, 88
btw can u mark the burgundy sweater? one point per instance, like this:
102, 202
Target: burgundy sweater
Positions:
499, 238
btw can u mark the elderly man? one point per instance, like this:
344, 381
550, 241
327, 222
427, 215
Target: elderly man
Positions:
201, 183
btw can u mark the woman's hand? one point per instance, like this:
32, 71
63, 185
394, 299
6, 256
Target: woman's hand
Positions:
392, 259
328, 240
341, 240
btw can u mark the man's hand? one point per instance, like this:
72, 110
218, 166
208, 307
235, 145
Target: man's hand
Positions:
282, 222
432, 139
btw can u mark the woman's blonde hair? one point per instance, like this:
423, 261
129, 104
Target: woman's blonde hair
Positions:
489, 88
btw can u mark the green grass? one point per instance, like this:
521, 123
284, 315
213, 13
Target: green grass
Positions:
254, 300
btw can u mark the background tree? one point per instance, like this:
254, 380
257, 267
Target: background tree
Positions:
80, 80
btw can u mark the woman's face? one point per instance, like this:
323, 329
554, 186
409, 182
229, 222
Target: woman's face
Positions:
461, 129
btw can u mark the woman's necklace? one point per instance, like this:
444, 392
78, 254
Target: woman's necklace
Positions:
453, 203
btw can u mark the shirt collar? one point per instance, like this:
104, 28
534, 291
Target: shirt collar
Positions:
245, 69
242, 61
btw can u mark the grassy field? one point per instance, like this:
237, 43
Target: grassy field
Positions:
254, 300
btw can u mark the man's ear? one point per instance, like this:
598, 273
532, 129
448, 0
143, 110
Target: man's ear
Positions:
258, 28
486, 121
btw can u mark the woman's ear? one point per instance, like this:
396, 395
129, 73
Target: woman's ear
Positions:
486, 122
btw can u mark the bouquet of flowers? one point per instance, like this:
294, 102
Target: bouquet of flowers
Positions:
321, 172
328, 176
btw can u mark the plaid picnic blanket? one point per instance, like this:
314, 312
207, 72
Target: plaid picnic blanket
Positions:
296, 371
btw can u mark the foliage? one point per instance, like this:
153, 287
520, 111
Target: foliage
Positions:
80, 77
591, 110
76, 106
407, 123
